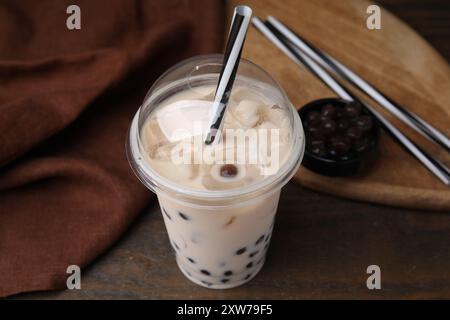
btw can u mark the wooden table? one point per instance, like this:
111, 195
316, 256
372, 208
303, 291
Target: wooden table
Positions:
321, 245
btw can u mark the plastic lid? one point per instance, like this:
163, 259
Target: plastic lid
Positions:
261, 139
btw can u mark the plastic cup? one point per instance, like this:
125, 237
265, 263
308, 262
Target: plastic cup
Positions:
220, 237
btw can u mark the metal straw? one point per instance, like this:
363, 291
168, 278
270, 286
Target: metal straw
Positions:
336, 67
438, 169
232, 56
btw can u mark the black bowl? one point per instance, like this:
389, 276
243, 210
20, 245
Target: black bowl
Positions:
329, 166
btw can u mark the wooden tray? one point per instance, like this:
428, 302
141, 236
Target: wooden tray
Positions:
396, 60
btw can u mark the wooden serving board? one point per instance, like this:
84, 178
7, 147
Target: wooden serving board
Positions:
396, 60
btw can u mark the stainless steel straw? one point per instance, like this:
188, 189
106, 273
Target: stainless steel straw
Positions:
336, 67
301, 58
232, 56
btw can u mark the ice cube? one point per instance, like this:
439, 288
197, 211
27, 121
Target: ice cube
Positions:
277, 115
176, 173
284, 129
184, 119
247, 113
163, 152
152, 137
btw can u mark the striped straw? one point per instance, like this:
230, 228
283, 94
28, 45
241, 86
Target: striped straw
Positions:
232, 56
334, 66
275, 36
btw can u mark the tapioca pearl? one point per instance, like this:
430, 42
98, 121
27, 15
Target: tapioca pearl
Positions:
205, 272
228, 273
206, 283
197, 238
184, 216
167, 215
241, 251
179, 240
191, 260
224, 280
254, 253
249, 265
260, 239
175, 245
247, 276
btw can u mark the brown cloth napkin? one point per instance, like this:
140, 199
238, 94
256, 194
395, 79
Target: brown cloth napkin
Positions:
67, 98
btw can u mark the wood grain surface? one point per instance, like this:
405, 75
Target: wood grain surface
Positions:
320, 249
321, 244
396, 60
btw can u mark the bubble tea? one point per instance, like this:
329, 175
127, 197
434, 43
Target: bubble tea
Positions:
218, 202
